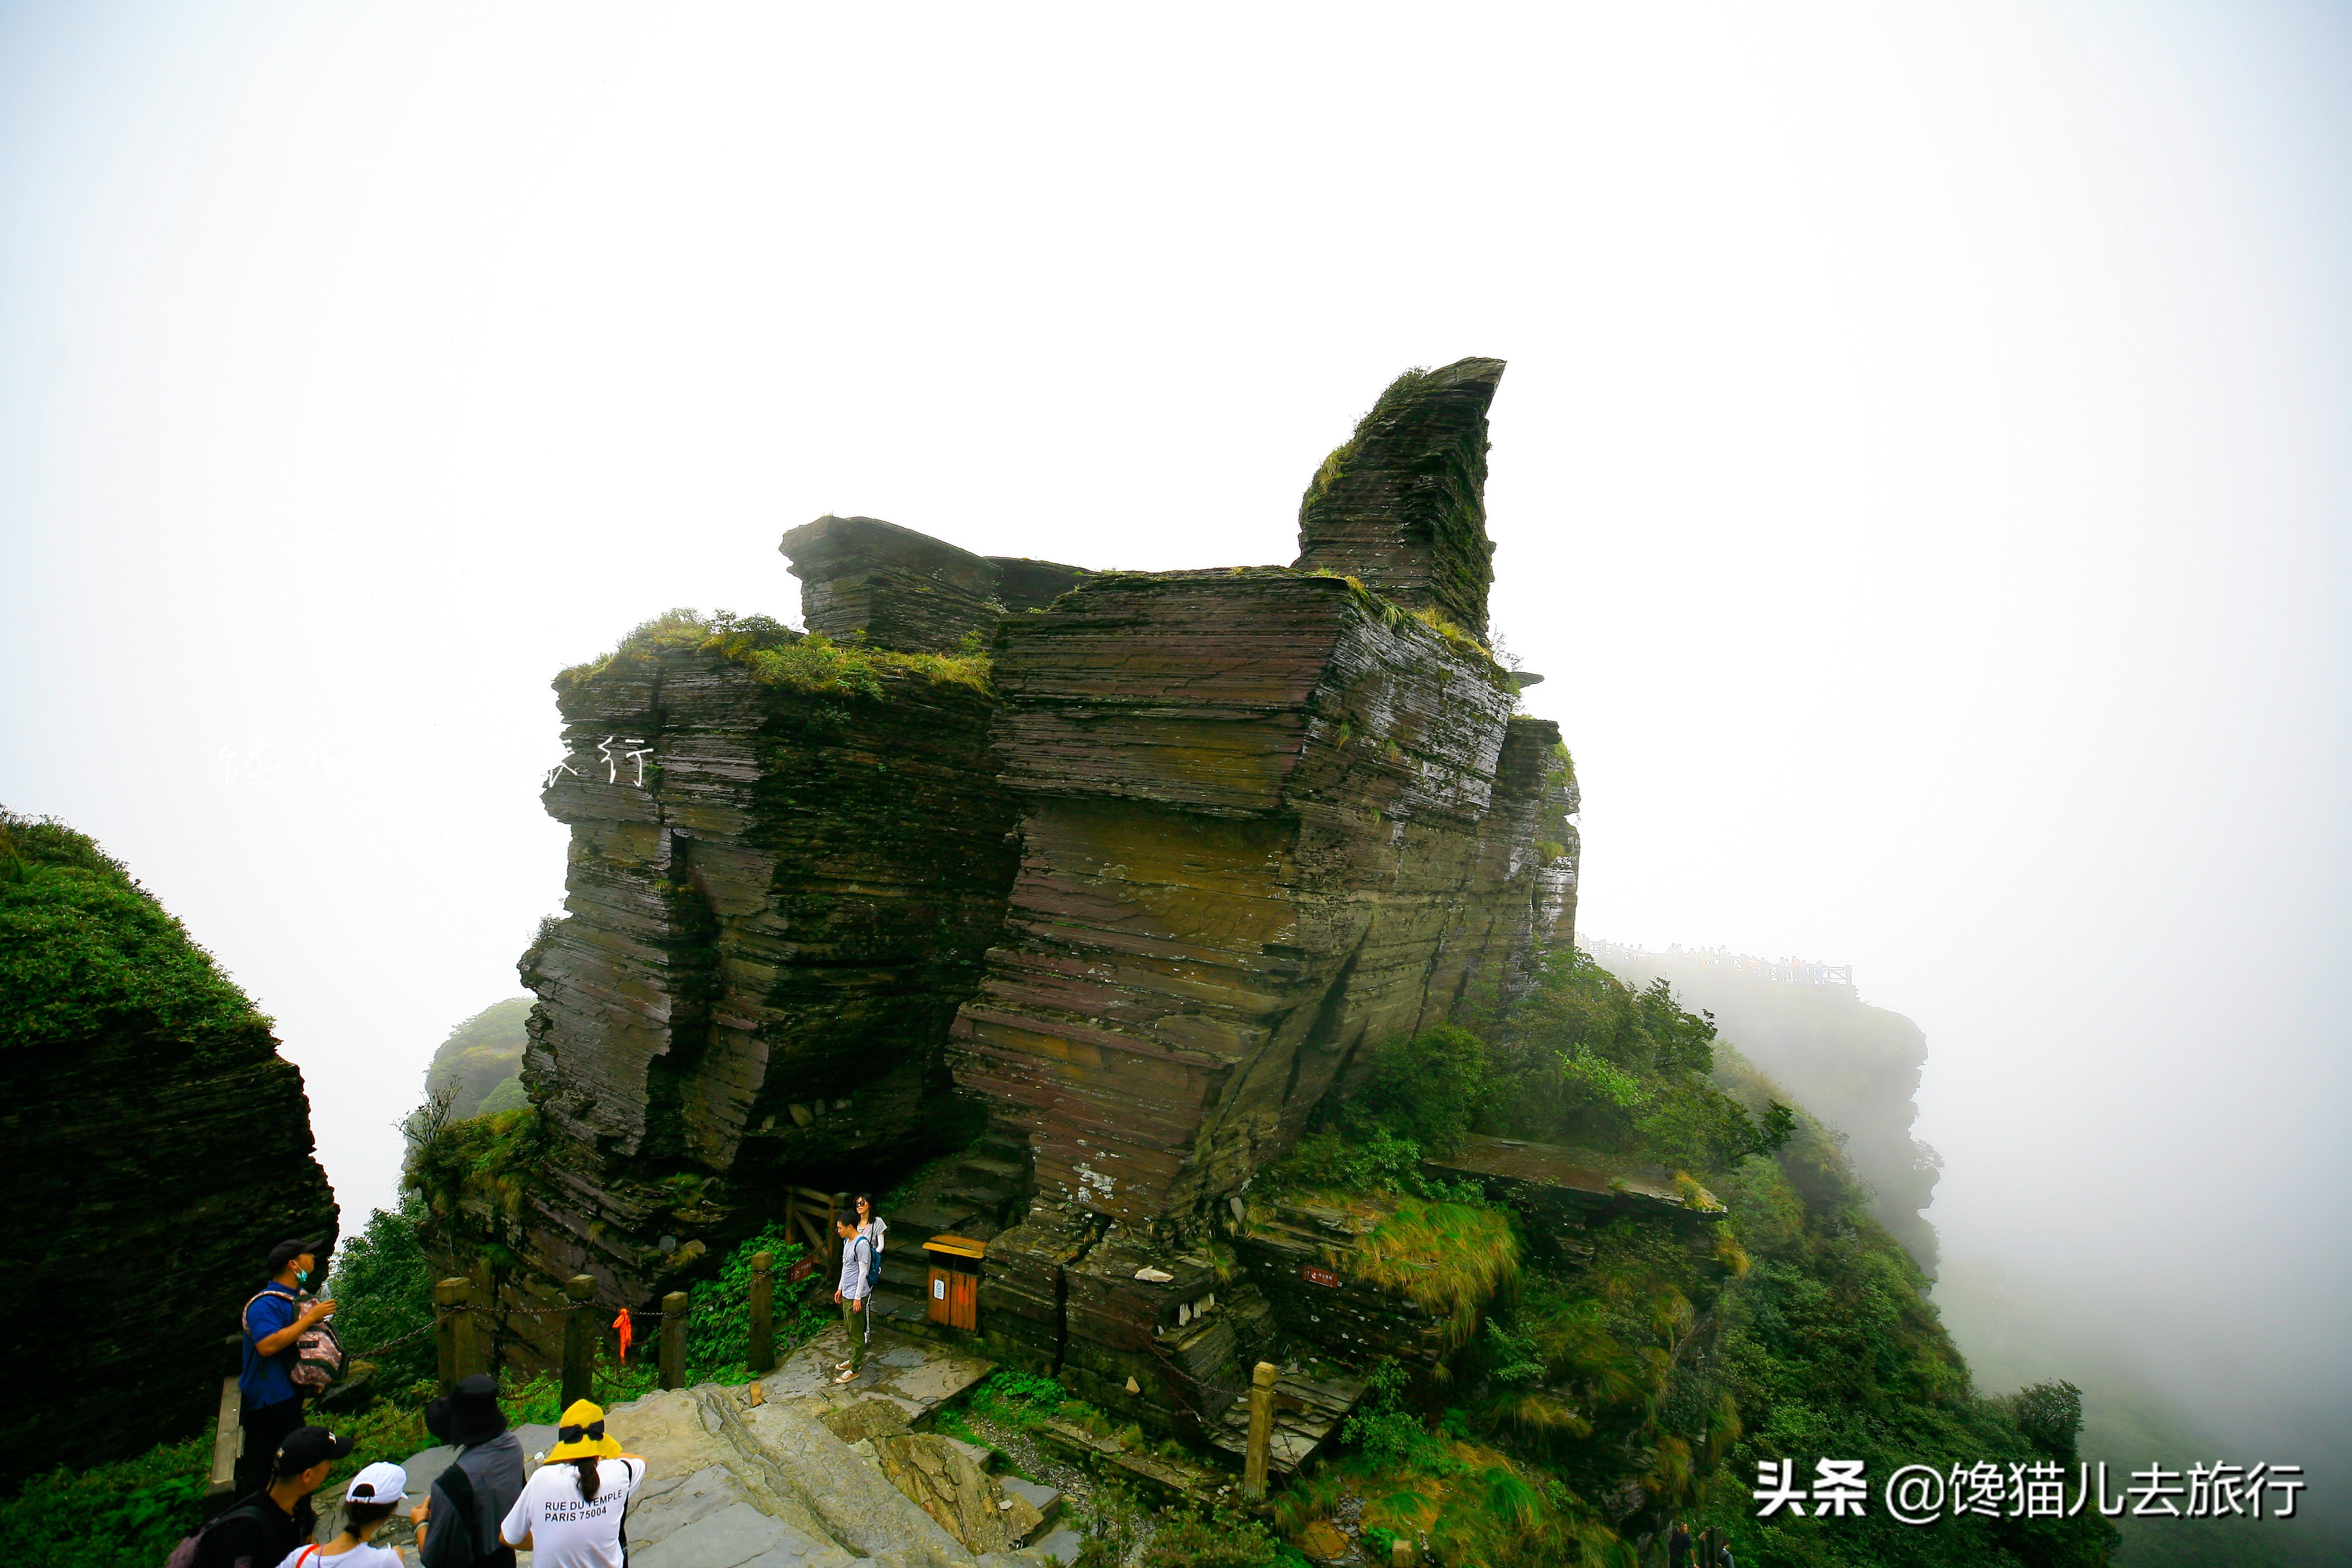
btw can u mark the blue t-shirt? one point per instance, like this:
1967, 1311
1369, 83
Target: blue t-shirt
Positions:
263, 1379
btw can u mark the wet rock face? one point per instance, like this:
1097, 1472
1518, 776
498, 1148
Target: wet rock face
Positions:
1402, 506
1264, 819
769, 930
150, 1125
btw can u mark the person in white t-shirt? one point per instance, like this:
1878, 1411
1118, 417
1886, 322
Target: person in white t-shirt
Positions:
368, 1504
572, 1507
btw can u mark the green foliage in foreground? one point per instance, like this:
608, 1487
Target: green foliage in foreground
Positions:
85, 950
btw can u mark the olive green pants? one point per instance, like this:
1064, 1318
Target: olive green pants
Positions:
853, 1320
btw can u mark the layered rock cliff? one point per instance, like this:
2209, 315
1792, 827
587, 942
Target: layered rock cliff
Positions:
788, 860
151, 1127
1141, 863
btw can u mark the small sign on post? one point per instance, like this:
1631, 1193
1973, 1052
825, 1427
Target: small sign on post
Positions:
763, 1311
673, 1340
1323, 1277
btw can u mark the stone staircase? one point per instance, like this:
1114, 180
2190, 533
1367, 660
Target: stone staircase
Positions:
973, 1196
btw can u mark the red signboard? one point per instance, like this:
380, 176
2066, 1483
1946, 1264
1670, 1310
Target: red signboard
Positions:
1321, 1277
799, 1271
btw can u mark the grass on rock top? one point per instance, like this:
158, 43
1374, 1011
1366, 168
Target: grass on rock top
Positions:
778, 656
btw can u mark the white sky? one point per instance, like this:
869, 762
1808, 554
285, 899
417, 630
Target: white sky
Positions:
1923, 472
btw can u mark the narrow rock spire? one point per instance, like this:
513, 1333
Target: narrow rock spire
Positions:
1401, 507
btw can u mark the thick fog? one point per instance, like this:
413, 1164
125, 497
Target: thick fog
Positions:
1923, 474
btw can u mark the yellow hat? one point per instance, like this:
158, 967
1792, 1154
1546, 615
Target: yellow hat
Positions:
582, 1436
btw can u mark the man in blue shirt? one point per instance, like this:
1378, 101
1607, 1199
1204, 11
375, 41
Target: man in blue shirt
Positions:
270, 1405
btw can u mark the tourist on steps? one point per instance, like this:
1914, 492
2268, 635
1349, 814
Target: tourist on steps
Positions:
572, 1511
872, 1226
261, 1530
457, 1523
368, 1504
856, 1285
270, 1405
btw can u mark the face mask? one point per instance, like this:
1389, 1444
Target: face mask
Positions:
301, 1277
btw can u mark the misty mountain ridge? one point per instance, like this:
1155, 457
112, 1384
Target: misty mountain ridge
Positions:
1854, 1066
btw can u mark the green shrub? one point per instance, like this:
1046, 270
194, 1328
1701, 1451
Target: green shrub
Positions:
383, 1288
1223, 1540
1429, 1087
719, 1315
127, 1514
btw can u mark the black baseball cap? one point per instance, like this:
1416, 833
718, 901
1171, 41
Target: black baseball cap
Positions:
308, 1446
286, 1252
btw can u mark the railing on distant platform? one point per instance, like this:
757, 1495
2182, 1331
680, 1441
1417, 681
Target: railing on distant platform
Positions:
1797, 970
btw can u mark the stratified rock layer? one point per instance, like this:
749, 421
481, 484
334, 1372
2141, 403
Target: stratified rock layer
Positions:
770, 928
1402, 508
1264, 819
151, 1127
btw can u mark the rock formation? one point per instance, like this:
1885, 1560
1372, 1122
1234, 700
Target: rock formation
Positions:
153, 1131
787, 863
1145, 861
1402, 508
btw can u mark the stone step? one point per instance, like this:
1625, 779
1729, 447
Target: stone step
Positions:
898, 1268
1045, 1500
1060, 1544
919, 1222
984, 1199
995, 1172
1306, 1411
897, 1310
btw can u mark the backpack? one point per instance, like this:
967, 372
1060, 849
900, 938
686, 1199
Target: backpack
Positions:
458, 1488
317, 1354
183, 1555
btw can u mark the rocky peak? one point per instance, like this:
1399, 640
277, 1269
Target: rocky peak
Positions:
1401, 507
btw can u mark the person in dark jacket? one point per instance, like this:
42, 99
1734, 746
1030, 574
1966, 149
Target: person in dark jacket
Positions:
458, 1524
259, 1531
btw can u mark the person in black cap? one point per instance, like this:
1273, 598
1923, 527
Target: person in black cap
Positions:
260, 1531
271, 1406
457, 1525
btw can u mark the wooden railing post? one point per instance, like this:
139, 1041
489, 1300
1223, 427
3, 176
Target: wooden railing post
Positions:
453, 1336
578, 1339
840, 1206
673, 1340
764, 1312
1261, 1429
228, 1432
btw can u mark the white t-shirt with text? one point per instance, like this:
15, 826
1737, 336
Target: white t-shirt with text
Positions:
566, 1533
361, 1556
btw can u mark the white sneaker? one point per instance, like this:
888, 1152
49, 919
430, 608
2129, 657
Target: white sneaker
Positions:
847, 1377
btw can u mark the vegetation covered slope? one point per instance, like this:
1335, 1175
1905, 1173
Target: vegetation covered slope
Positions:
479, 1066
151, 1127
1854, 1066
1641, 1370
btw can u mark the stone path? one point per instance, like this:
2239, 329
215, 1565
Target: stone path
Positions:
761, 1476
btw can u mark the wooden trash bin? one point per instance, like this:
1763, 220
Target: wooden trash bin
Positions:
955, 1279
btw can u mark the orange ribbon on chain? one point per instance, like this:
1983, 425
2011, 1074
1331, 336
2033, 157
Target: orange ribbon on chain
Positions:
622, 1323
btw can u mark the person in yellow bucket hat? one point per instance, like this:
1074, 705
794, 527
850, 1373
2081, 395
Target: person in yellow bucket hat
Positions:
573, 1510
